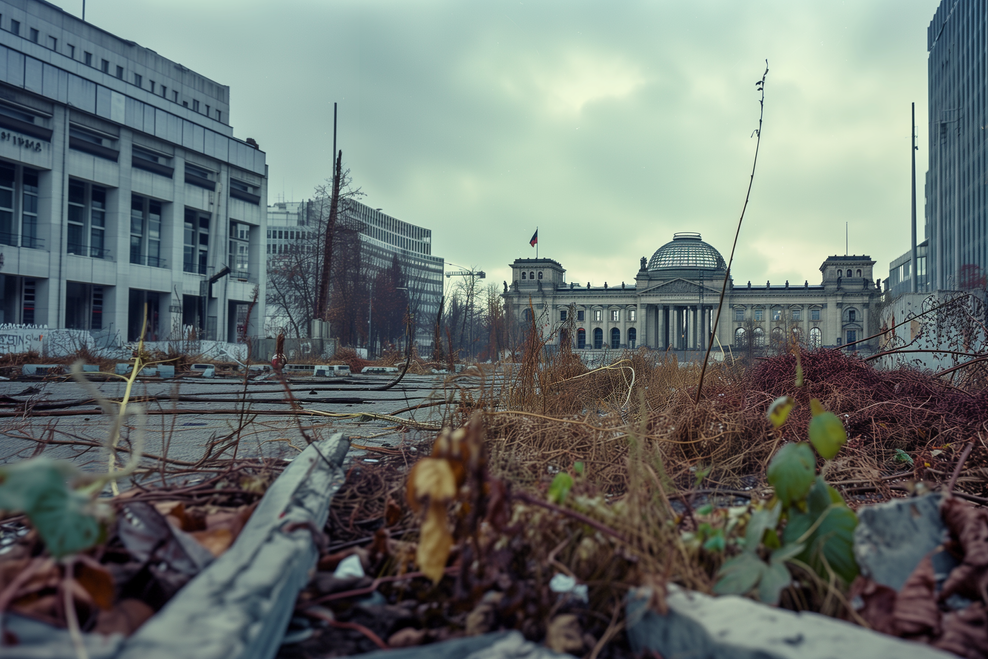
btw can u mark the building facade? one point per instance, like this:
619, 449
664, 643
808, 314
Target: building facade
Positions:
381, 238
956, 219
672, 304
121, 186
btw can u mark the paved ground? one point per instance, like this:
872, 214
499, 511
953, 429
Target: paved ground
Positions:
55, 417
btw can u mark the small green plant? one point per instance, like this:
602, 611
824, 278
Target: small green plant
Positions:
807, 521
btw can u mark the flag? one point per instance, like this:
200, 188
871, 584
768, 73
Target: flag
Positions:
535, 238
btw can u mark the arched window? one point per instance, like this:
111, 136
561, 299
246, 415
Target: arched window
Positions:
526, 315
581, 338
540, 274
524, 275
740, 338
848, 273
797, 335
859, 272
816, 337
759, 337
778, 338
531, 275
615, 338
632, 337
598, 338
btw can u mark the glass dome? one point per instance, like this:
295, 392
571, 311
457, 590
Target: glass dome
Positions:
687, 250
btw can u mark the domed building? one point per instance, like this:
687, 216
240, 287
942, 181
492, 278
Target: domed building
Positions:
672, 303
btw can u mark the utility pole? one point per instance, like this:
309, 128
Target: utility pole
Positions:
913, 286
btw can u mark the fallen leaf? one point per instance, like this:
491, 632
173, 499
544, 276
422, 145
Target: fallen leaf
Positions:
916, 609
430, 479
97, 582
124, 618
965, 632
216, 540
407, 637
564, 634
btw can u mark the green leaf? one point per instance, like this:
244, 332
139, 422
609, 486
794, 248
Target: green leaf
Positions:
791, 472
739, 575
560, 487
705, 509
787, 552
779, 410
831, 542
715, 542
761, 520
578, 468
775, 579
827, 434
67, 521
902, 456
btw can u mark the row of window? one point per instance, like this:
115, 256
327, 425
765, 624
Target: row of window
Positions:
850, 315
87, 226
778, 337
531, 275
87, 58
598, 338
631, 315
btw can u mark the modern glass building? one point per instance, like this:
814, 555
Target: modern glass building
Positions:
956, 220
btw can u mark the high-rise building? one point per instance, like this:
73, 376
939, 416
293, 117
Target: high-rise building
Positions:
121, 186
956, 219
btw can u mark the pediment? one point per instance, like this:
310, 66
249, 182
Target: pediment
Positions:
680, 287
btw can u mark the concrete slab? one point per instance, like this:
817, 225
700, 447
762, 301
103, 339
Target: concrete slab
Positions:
730, 627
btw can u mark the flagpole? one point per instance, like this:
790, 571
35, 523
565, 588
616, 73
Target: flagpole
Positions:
536, 243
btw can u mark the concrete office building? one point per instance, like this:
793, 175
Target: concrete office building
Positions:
672, 302
956, 215
121, 185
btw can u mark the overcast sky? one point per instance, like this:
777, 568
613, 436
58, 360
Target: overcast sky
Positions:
607, 125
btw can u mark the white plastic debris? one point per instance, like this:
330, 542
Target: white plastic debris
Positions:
567, 585
349, 568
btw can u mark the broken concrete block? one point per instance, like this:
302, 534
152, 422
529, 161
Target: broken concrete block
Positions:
166, 371
42, 369
731, 627
892, 538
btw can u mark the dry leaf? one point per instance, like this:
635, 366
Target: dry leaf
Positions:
98, 582
435, 541
564, 634
407, 637
124, 618
965, 632
916, 609
430, 479
216, 540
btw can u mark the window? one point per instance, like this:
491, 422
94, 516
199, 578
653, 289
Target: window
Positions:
164, 91
151, 82
71, 51
195, 105
83, 306
145, 231
19, 206
777, 314
207, 110
562, 314
816, 337
848, 273
540, 274
759, 315
851, 315
738, 315
778, 338
598, 315
759, 335
815, 315
598, 338
852, 336
859, 273
632, 337
740, 338
581, 338
580, 315
87, 220
531, 275
105, 66
632, 315
15, 27
796, 314
120, 72
89, 59
196, 237
34, 35
219, 116
524, 275
239, 249
53, 43
615, 338
138, 80
615, 315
